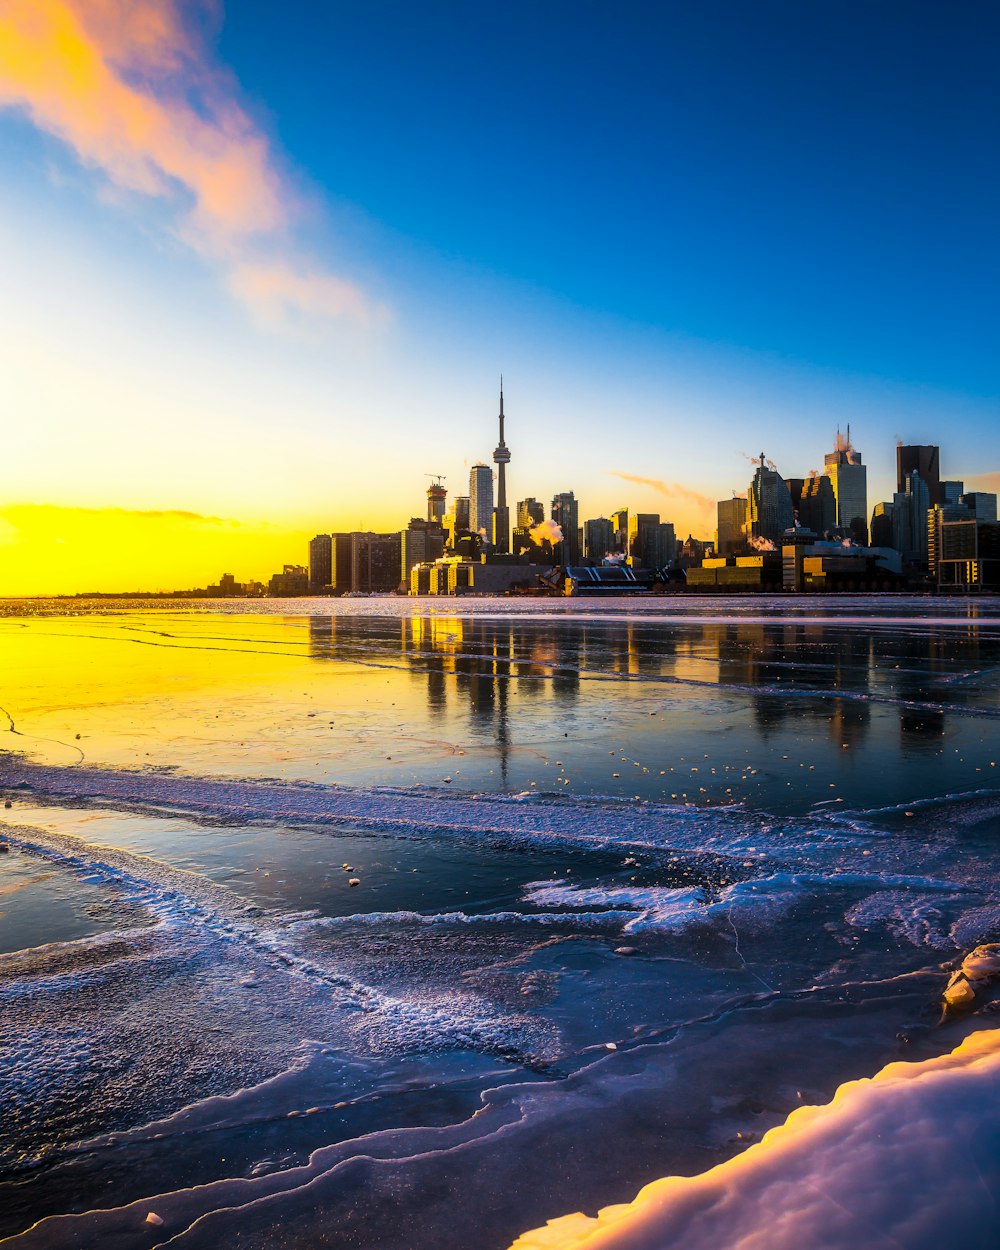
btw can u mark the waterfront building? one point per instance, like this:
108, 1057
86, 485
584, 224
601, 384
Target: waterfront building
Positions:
376, 560
340, 563
967, 552
293, 580
320, 563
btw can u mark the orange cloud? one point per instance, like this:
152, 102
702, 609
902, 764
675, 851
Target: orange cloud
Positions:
127, 84
673, 490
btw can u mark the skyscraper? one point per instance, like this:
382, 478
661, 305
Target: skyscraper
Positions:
730, 535
925, 461
501, 458
818, 504
481, 500
320, 562
376, 561
530, 513
652, 544
909, 518
849, 479
566, 514
769, 506
880, 530
599, 538
437, 493
619, 521
421, 542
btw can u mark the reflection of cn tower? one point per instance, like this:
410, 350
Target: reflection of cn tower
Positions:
501, 514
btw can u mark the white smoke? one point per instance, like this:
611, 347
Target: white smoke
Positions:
762, 544
546, 531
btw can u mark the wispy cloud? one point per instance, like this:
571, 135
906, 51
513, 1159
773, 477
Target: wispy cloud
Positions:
672, 490
984, 481
131, 87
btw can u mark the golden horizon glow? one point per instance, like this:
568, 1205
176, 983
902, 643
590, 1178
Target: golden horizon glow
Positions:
48, 550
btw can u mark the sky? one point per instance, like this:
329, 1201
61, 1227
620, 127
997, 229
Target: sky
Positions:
264, 264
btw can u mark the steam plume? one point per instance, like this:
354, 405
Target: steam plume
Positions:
546, 531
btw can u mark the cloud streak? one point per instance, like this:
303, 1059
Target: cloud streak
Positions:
130, 87
672, 490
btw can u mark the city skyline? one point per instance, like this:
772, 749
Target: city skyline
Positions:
225, 328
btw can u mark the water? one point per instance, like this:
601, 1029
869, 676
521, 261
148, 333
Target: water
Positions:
632, 882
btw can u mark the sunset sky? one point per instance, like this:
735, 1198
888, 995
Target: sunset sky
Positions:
263, 264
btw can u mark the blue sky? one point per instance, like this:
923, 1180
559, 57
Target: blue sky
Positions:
814, 180
684, 232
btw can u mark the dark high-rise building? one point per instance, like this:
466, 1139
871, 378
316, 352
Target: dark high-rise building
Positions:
376, 561
566, 514
909, 518
951, 492
320, 562
925, 461
981, 503
769, 506
530, 513
340, 563
652, 544
881, 526
818, 505
598, 538
501, 515
730, 536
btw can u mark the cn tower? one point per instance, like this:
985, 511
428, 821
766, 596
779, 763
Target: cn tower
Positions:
501, 514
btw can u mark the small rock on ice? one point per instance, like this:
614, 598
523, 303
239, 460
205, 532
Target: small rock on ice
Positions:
155, 1220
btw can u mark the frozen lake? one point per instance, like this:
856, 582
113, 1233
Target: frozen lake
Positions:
408, 924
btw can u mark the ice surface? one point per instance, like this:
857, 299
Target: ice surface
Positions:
458, 1049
